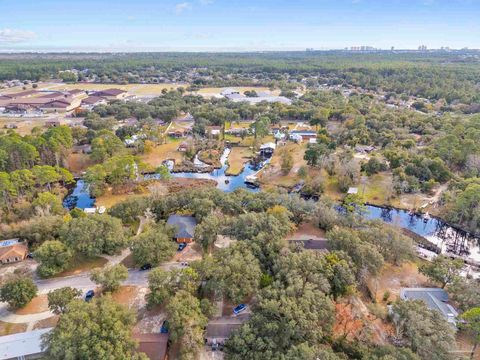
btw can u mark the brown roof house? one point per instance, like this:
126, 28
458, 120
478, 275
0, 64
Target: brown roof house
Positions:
152, 345
112, 94
184, 227
12, 251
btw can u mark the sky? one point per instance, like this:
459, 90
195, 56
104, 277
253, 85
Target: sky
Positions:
236, 25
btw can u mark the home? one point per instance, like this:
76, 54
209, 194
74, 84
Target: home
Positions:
364, 149
184, 227
153, 345
82, 149
12, 251
305, 134
183, 147
23, 345
92, 101
267, 149
218, 333
435, 298
111, 94
52, 123
214, 130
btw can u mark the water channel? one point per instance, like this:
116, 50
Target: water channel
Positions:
446, 238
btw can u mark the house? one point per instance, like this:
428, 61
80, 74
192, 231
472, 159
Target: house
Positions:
321, 245
435, 299
111, 94
364, 149
12, 251
305, 134
267, 149
184, 227
218, 333
82, 149
24, 345
52, 123
185, 118
312, 140
214, 130
352, 190
152, 345
183, 147
92, 101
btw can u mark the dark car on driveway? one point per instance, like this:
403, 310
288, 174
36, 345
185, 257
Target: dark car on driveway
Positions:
146, 267
181, 246
240, 308
89, 295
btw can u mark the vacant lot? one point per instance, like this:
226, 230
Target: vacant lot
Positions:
134, 89
237, 159
163, 152
81, 265
37, 305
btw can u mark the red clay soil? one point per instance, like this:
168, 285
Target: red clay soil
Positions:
37, 305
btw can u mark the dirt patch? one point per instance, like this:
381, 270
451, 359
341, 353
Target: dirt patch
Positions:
353, 321
192, 252
307, 231
128, 262
150, 321
9, 328
77, 163
131, 296
393, 278
47, 323
82, 265
37, 305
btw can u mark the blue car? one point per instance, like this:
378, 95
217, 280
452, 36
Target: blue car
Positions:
181, 246
164, 328
239, 309
89, 295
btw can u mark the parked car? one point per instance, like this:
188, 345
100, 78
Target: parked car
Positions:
181, 246
89, 295
146, 267
240, 308
164, 328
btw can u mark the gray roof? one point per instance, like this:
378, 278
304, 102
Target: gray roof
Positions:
185, 225
22, 344
435, 299
220, 331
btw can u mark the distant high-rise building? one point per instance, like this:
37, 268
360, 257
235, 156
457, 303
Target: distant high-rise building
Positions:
422, 48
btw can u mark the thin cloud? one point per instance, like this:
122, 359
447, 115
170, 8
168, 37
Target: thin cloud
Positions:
9, 36
206, 2
181, 7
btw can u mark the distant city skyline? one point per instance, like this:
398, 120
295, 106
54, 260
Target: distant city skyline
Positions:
235, 25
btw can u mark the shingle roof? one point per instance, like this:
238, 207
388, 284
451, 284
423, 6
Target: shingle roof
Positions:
19, 250
435, 299
153, 345
185, 225
22, 344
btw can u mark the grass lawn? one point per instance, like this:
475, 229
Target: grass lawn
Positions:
10, 328
272, 173
108, 199
82, 264
237, 159
24, 125
163, 152
378, 188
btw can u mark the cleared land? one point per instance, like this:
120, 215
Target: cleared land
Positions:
81, 265
134, 89
237, 159
37, 305
163, 152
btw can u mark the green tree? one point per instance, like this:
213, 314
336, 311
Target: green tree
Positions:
287, 161
207, 231
54, 257
442, 270
18, 292
45, 175
153, 246
59, 299
472, 325
237, 272
48, 203
427, 334
94, 235
186, 322
100, 329
109, 277
164, 285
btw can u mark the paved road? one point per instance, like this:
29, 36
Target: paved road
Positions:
83, 282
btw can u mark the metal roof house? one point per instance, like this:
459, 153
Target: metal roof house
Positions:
435, 299
26, 345
185, 227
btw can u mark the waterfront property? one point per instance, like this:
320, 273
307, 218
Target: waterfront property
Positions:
184, 227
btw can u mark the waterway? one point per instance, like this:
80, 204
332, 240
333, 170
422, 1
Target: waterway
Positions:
448, 239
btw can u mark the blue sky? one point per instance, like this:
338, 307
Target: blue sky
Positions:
163, 25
